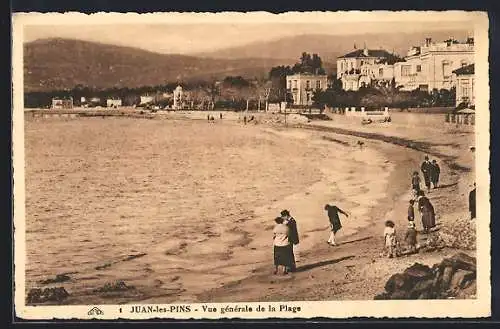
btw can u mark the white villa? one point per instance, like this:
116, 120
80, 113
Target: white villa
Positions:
464, 82
430, 65
178, 98
363, 67
303, 85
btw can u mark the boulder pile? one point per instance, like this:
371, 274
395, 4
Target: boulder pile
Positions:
37, 295
454, 277
114, 287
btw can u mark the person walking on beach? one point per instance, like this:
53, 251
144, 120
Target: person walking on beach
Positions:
411, 211
245, 119
282, 248
390, 242
415, 183
293, 237
335, 224
220, 116
427, 212
411, 237
426, 169
472, 203
435, 173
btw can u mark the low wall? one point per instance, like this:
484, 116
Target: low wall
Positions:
434, 110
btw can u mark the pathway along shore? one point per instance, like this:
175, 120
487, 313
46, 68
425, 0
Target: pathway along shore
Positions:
355, 270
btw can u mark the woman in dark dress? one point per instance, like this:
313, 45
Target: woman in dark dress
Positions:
283, 252
427, 211
335, 224
435, 172
472, 203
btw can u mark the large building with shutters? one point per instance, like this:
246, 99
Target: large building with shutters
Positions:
366, 67
302, 86
431, 65
464, 83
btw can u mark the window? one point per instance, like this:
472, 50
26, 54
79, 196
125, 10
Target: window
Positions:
361, 63
308, 84
465, 88
405, 70
423, 87
294, 83
308, 97
380, 72
419, 68
446, 66
318, 84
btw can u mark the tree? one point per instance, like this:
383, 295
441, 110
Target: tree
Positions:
277, 75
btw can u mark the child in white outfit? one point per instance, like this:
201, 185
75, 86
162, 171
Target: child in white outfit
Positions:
390, 239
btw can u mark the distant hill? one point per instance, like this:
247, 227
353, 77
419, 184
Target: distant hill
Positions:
329, 47
55, 64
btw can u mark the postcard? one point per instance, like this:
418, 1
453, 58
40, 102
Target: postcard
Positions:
251, 165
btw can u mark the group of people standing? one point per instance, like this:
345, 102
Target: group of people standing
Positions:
211, 117
286, 237
285, 240
431, 172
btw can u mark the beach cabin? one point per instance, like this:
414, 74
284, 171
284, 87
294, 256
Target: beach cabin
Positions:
62, 103
465, 116
147, 99
114, 102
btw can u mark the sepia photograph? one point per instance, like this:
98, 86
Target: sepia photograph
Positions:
251, 165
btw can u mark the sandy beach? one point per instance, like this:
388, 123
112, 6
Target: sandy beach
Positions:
182, 210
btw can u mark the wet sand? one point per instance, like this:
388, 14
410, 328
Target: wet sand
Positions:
179, 208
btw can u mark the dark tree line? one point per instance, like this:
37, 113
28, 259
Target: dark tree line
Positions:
377, 97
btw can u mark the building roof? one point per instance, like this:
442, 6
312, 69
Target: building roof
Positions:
466, 111
378, 53
307, 74
468, 69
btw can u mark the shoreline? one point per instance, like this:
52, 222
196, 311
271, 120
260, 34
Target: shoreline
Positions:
344, 260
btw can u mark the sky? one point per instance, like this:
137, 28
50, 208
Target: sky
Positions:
204, 36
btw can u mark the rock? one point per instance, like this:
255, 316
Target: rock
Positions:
447, 275
421, 287
400, 294
464, 262
382, 296
113, 287
36, 295
438, 276
396, 282
424, 295
418, 271
454, 277
460, 279
59, 278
